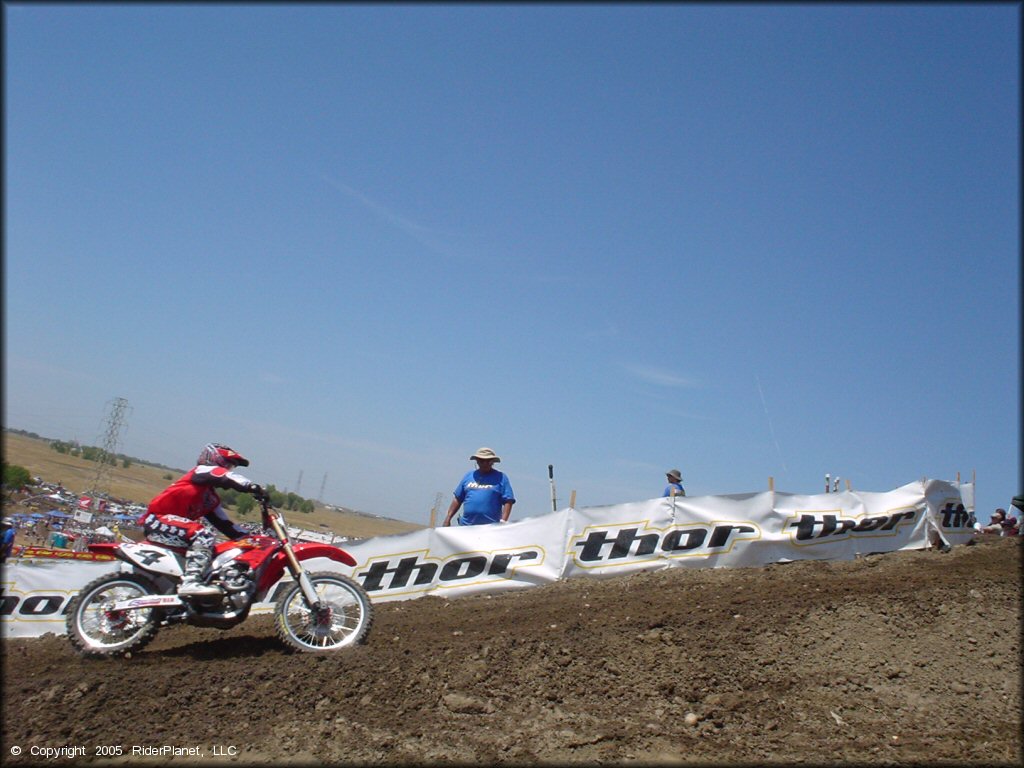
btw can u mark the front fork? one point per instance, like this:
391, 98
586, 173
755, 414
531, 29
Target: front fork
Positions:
298, 572
308, 591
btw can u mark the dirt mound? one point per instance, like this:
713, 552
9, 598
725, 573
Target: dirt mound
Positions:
909, 657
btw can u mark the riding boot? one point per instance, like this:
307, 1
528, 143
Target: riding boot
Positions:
196, 562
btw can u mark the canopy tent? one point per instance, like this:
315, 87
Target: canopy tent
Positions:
104, 531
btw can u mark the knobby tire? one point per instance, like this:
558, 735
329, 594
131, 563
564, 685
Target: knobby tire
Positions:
350, 619
84, 610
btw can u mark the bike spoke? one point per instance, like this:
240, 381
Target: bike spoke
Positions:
340, 617
105, 628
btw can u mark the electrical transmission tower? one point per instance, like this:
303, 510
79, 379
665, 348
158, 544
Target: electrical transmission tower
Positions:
115, 421
320, 498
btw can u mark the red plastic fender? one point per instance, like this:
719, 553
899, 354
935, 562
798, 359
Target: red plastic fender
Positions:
103, 548
307, 550
303, 551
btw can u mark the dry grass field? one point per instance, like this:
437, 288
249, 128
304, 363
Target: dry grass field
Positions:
140, 483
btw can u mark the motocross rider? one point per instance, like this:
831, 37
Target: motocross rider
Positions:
176, 516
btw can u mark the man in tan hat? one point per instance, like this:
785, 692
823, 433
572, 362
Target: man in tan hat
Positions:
675, 483
485, 494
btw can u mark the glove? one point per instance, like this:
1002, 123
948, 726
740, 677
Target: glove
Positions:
257, 490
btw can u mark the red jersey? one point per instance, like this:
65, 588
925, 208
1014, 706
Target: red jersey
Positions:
193, 497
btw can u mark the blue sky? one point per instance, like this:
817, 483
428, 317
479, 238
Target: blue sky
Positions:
358, 242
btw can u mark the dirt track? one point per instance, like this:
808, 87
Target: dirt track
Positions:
909, 657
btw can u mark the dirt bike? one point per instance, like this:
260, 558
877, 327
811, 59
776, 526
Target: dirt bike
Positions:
120, 613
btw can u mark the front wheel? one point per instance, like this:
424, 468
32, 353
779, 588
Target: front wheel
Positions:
343, 617
95, 629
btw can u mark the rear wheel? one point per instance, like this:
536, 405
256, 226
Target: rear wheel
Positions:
96, 629
343, 618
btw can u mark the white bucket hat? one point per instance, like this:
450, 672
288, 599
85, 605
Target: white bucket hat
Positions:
485, 453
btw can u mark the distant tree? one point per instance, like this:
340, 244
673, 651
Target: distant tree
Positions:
16, 477
277, 499
245, 504
126, 462
168, 476
306, 506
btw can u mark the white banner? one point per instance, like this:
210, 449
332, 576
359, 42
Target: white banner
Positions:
36, 593
950, 512
459, 560
689, 532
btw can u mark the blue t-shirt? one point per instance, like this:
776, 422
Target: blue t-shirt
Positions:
482, 495
678, 487
8, 544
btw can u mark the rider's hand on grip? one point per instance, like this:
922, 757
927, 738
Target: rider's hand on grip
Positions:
258, 491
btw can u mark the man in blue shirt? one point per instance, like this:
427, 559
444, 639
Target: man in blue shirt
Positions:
675, 483
485, 494
8, 542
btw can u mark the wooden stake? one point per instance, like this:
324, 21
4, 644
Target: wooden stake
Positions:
771, 483
434, 510
572, 499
